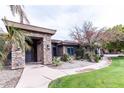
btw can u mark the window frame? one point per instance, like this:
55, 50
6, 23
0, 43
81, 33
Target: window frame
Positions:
71, 51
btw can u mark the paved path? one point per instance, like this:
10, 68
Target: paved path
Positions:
39, 76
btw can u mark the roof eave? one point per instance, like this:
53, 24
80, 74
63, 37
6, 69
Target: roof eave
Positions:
30, 27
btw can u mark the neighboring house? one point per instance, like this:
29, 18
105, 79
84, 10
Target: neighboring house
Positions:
59, 48
42, 49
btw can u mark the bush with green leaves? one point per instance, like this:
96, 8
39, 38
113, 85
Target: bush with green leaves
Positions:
1, 66
78, 57
66, 58
91, 56
97, 58
56, 61
70, 58
79, 53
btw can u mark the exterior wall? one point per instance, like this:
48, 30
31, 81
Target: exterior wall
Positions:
18, 58
44, 51
74, 47
47, 50
39, 51
62, 49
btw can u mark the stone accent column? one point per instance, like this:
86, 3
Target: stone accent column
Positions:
18, 58
47, 50
39, 51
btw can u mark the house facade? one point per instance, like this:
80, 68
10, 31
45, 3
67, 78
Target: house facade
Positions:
59, 48
43, 48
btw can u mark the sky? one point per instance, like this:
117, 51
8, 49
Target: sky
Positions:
64, 17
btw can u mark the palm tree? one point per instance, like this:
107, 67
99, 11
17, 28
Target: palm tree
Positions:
14, 36
18, 9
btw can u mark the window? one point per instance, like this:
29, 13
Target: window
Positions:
70, 50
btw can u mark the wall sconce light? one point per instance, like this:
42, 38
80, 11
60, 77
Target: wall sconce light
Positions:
48, 46
18, 49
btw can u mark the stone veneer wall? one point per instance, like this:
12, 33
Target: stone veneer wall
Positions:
46, 52
47, 49
18, 58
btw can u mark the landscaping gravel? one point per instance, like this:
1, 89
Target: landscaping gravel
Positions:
9, 78
73, 64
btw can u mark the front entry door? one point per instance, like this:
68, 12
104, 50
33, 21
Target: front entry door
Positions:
31, 55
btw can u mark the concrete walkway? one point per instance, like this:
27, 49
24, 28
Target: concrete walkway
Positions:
39, 76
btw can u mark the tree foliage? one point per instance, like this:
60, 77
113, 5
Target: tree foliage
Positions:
111, 38
14, 36
88, 34
19, 10
117, 42
90, 37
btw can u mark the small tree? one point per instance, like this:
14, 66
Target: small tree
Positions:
13, 36
80, 53
19, 10
89, 36
117, 38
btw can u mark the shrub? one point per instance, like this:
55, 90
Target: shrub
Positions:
97, 58
1, 66
91, 56
56, 61
70, 59
80, 53
66, 58
78, 57
86, 56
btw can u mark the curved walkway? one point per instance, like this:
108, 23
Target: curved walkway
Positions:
39, 76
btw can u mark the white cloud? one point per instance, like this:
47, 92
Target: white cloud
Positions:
63, 21
110, 15
5, 12
63, 18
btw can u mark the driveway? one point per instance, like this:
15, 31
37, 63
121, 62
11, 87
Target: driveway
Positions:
39, 76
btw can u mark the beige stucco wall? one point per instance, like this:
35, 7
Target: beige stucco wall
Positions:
64, 50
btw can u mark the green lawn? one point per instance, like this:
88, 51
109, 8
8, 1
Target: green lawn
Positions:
109, 77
